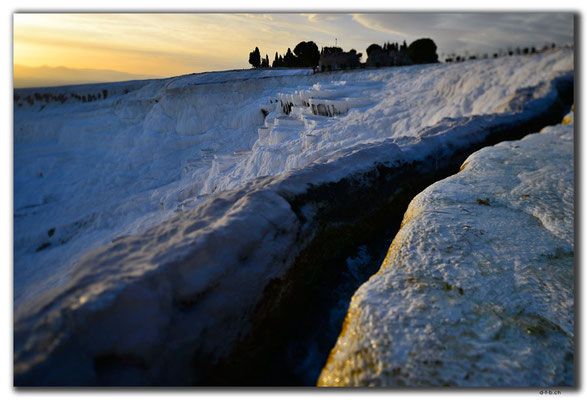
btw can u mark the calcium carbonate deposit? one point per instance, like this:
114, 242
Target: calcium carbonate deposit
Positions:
173, 232
477, 286
86, 173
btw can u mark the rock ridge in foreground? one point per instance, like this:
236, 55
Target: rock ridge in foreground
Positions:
477, 286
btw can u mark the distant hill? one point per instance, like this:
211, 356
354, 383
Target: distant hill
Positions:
58, 76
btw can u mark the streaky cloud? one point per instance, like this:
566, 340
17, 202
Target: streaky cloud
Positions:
474, 31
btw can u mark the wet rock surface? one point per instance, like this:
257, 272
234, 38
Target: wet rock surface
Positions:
477, 286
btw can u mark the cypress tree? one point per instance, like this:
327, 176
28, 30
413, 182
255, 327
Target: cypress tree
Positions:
255, 58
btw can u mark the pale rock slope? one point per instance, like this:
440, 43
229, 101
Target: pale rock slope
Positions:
477, 286
87, 173
181, 277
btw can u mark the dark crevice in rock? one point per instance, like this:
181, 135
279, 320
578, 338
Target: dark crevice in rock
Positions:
300, 317
119, 369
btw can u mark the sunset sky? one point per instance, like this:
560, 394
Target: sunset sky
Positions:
100, 46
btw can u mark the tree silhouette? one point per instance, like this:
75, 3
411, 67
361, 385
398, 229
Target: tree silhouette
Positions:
307, 54
354, 52
255, 58
423, 51
331, 50
373, 48
265, 62
289, 60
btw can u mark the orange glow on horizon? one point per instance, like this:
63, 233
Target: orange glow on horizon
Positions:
152, 44
167, 45
122, 42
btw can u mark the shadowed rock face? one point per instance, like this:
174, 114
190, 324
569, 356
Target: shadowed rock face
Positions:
200, 291
477, 286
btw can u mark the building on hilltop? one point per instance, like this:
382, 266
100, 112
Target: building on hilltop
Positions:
333, 58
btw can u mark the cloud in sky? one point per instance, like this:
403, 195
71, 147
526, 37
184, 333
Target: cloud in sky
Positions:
475, 31
175, 44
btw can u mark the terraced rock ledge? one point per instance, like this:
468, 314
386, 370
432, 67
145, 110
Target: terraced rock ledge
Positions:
477, 286
211, 295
